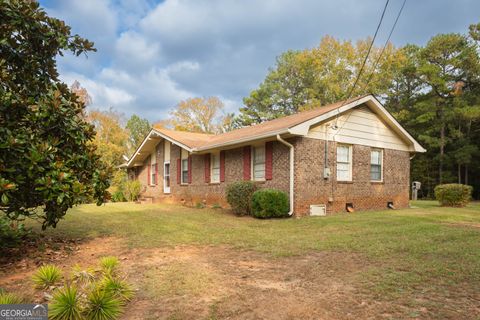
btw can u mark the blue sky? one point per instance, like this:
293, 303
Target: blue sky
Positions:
153, 54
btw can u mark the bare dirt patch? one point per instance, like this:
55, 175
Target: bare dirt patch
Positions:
219, 282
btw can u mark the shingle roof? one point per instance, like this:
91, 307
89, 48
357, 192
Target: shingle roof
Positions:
204, 141
190, 139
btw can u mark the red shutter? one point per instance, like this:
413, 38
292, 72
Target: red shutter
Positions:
148, 173
156, 173
247, 159
269, 160
190, 169
179, 171
207, 168
222, 166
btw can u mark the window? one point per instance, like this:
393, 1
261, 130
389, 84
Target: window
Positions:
344, 163
153, 169
376, 160
184, 166
215, 167
258, 161
185, 170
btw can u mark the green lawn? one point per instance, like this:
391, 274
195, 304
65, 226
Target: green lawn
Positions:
425, 250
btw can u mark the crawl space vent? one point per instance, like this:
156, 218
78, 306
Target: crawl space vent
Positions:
318, 210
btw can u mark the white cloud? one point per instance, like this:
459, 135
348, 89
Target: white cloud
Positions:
150, 55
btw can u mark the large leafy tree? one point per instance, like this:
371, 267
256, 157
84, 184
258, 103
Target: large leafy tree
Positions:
47, 160
137, 128
111, 138
201, 115
318, 76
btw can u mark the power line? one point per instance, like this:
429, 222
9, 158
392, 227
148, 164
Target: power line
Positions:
364, 61
385, 45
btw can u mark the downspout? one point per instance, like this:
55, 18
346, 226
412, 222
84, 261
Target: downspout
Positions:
290, 146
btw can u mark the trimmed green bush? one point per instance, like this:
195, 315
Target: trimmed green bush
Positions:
239, 197
270, 203
453, 194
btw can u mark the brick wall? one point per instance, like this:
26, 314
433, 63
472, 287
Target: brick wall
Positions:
142, 175
312, 188
214, 193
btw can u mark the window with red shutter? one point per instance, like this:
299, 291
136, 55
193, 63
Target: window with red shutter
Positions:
148, 173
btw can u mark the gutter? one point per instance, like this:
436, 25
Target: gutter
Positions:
292, 153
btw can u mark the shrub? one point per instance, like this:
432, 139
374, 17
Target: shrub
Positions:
270, 203
453, 194
239, 196
94, 294
83, 277
65, 304
119, 288
117, 196
109, 264
132, 189
9, 298
102, 305
46, 276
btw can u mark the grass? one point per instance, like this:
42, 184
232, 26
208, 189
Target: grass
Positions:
408, 248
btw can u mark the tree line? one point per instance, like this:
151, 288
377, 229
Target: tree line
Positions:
433, 90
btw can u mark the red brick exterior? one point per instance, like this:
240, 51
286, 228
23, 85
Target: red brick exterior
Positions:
310, 186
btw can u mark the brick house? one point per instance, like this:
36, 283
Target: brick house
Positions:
351, 155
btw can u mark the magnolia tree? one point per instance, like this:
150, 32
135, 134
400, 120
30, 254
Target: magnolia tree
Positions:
47, 160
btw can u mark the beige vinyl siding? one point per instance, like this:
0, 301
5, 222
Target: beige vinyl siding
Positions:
360, 126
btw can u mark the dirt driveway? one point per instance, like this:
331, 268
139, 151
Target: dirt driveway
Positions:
214, 282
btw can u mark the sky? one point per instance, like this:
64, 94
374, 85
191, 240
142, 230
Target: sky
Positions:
153, 54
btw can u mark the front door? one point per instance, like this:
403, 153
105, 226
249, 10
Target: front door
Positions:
166, 177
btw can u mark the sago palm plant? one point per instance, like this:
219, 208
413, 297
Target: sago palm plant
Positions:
101, 305
109, 264
65, 304
46, 276
119, 288
9, 298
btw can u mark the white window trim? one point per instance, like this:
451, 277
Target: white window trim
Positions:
212, 155
252, 161
381, 165
350, 158
182, 159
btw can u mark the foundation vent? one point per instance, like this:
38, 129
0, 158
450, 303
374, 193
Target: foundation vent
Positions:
318, 210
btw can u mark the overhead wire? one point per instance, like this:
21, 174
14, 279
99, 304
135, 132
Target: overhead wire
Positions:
364, 61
